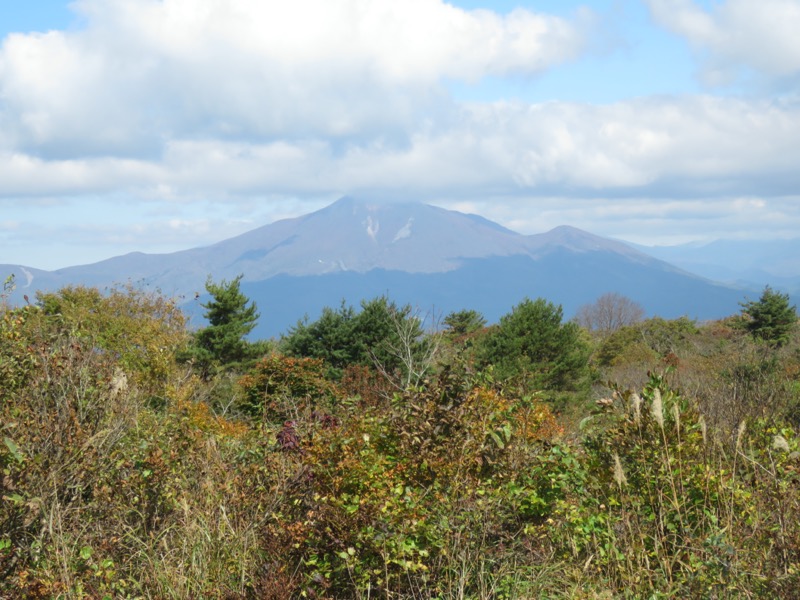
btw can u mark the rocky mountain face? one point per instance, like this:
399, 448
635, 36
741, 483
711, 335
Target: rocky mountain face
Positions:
435, 259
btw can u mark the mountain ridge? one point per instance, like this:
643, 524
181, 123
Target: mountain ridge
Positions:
352, 248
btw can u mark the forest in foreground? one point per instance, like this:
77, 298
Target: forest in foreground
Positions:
380, 453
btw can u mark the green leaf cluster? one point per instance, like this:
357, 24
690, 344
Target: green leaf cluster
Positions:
533, 348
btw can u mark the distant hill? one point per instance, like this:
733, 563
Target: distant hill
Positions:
436, 259
752, 263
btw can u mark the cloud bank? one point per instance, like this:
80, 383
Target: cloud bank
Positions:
172, 103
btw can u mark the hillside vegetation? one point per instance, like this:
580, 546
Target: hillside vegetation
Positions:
370, 454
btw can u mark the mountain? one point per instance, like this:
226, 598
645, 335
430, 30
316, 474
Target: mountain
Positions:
753, 263
436, 259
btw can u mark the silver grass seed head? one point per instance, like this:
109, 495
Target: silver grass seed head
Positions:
657, 408
676, 414
619, 474
779, 443
636, 405
740, 433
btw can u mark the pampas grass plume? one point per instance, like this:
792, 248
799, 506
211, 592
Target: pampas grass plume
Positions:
657, 408
636, 403
676, 414
740, 433
619, 474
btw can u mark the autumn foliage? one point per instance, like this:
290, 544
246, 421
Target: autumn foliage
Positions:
670, 466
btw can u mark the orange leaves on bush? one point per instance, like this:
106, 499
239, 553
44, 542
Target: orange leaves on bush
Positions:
537, 423
201, 417
365, 383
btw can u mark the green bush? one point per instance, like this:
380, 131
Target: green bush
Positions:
280, 388
532, 348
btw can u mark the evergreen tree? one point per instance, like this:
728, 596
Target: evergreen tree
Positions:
462, 323
332, 338
534, 349
381, 333
770, 318
231, 316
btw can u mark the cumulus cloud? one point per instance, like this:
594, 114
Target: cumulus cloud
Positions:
29, 175
757, 34
145, 70
662, 147
235, 98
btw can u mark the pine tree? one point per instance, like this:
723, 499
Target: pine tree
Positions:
462, 323
770, 318
231, 316
533, 348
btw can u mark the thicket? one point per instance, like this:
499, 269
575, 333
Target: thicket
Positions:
363, 456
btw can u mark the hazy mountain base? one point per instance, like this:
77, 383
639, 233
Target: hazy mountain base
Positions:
492, 286
748, 263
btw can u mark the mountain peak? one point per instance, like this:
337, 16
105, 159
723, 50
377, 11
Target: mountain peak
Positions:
429, 256
578, 240
346, 203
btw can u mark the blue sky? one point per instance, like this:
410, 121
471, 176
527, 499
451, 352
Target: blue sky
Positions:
158, 125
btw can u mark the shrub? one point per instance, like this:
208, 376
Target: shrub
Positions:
669, 505
532, 349
396, 495
281, 388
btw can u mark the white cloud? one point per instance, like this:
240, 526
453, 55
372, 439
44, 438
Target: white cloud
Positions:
143, 70
176, 107
28, 175
757, 34
661, 147
178, 99
696, 145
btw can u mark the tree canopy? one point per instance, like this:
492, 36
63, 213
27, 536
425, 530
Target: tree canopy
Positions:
462, 323
534, 348
381, 333
770, 318
231, 316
